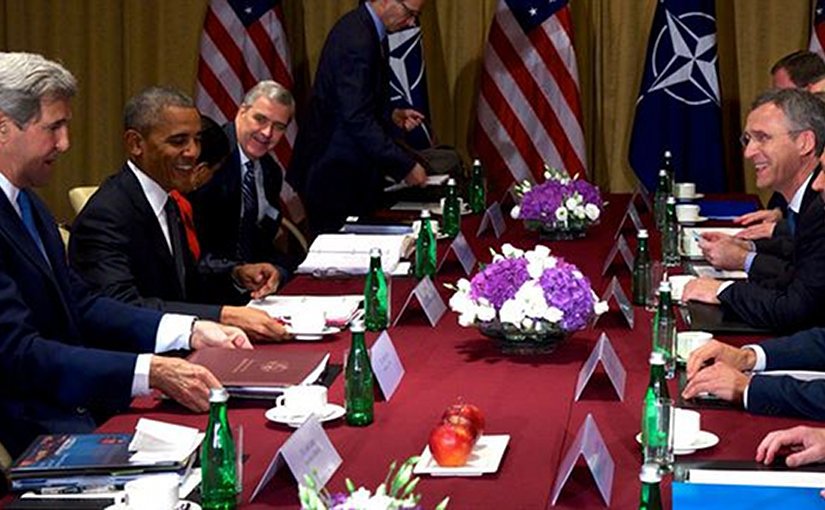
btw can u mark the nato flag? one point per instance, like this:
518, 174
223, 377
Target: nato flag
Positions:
678, 108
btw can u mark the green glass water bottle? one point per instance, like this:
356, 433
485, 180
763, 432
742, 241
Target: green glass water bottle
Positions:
219, 486
657, 384
660, 199
651, 495
477, 193
451, 213
664, 329
359, 396
375, 294
425, 248
670, 235
641, 270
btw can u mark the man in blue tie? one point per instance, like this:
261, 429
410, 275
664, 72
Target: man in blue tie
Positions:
68, 357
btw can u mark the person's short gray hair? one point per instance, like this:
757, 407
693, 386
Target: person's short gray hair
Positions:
803, 110
28, 78
144, 110
271, 90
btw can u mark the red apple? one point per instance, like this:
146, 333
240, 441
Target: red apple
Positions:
451, 444
463, 414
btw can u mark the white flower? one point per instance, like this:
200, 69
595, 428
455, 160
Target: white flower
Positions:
531, 298
600, 307
462, 303
515, 211
553, 315
561, 214
577, 274
572, 203
463, 285
512, 312
592, 212
511, 252
541, 251
579, 212
466, 320
527, 323
485, 313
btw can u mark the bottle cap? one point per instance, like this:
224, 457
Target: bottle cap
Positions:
650, 473
218, 395
375, 252
664, 286
662, 172
671, 200
425, 213
357, 326
657, 358
642, 233
668, 154
450, 182
476, 162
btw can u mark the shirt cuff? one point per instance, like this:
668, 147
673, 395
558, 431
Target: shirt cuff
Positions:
174, 332
724, 286
749, 261
140, 382
761, 358
745, 396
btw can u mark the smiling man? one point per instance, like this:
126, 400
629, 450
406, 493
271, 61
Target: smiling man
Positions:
345, 150
128, 241
784, 136
237, 213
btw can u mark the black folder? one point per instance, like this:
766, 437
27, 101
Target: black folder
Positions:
715, 319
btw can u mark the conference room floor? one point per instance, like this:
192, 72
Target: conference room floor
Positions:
528, 397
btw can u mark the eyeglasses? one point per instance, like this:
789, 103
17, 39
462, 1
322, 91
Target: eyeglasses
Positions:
411, 13
761, 138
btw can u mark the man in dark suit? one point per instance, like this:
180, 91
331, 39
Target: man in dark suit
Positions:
784, 136
344, 150
237, 213
129, 243
69, 357
735, 374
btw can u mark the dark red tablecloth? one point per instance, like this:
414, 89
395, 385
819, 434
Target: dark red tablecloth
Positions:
530, 398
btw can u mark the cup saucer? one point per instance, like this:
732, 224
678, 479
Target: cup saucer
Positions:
183, 504
698, 219
282, 415
703, 439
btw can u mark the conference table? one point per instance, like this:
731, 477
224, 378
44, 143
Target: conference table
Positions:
530, 397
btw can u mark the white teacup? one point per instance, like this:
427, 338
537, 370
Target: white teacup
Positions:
686, 428
303, 400
684, 190
677, 285
687, 212
690, 243
308, 321
689, 341
155, 492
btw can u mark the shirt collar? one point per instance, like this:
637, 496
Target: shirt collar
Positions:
379, 25
156, 195
10, 190
796, 201
244, 159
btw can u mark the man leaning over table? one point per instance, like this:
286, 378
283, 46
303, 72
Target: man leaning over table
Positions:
129, 243
735, 374
68, 357
784, 136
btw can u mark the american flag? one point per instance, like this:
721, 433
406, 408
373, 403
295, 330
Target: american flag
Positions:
818, 29
244, 42
529, 111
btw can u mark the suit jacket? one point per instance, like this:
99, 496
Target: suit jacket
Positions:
796, 305
117, 246
785, 395
344, 149
54, 374
217, 214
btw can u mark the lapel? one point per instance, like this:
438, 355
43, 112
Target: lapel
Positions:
146, 216
13, 227
810, 194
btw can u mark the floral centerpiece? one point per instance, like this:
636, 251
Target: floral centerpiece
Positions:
528, 300
395, 493
560, 207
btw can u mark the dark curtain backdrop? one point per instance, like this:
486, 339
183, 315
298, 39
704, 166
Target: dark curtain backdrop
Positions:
116, 48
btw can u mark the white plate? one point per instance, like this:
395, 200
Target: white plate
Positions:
698, 219
279, 414
465, 209
313, 335
704, 439
485, 458
182, 505
695, 196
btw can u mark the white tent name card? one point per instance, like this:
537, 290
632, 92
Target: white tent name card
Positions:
386, 365
493, 216
462, 252
614, 291
429, 299
613, 367
642, 192
590, 445
308, 451
622, 247
633, 214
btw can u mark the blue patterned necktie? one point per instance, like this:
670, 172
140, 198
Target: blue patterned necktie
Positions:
791, 217
249, 213
25, 204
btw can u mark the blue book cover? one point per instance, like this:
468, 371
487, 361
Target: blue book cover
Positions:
701, 496
726, 209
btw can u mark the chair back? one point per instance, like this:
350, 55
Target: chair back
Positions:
79, 196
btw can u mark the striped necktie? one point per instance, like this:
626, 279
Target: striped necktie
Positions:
249, 213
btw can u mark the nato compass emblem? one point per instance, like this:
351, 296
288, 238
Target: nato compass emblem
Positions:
407, 67
684, 59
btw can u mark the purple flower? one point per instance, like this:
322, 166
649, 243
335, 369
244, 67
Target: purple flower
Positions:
541, 201
569, 294
499, 281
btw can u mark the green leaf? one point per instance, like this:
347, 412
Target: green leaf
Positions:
410, 487
350, 485
443, 504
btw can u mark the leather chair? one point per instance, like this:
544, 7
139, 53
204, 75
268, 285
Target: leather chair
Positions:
79, 196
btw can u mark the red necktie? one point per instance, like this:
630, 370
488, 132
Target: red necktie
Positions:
186, 217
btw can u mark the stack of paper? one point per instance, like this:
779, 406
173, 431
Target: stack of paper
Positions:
338, 310
349, 254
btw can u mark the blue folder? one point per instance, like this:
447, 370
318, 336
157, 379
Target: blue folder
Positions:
726, 209
702, 496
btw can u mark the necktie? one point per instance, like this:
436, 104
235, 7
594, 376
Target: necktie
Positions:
173, 220
188, 220
249, 213
24, 202
791, 217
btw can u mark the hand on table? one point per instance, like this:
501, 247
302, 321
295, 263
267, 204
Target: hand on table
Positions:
212, 334
701, 289
765, 215
807, 443
184, 382
261, 279
720, 379
758, 231
724, 252
740, 359
256, 323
